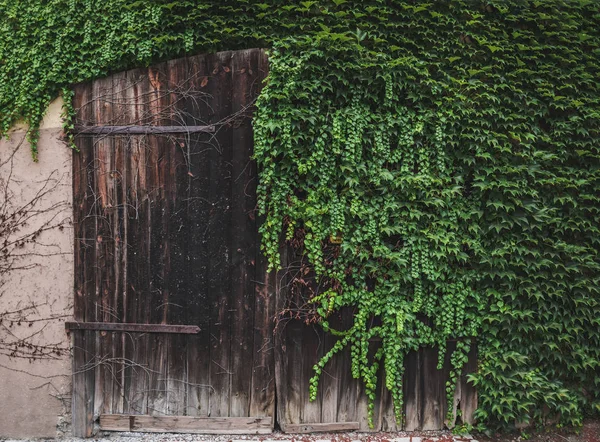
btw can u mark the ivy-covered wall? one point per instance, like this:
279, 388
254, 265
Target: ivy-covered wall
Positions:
450, 148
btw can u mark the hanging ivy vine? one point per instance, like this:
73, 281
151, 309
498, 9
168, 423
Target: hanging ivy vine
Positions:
346, 153
447, 151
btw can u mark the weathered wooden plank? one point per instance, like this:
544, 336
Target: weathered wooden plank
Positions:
262, 400
385, 418
84, 251
348, 392
290, 377
219, 89
138, 295
198, 209
186, 424
468, 392
140, 130
116, 422
352, 402
103, 192
82, 401
298, 348
433, 404
176, 189
322, 427
119, 228
242, 237
280, 353
158, 179
134, 328
330, 378
83, 221
311, 351
412, 391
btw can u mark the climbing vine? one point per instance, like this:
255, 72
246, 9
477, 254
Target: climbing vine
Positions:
437, 162
364, 165
461, 204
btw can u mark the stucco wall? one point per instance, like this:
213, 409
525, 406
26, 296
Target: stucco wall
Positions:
35, 393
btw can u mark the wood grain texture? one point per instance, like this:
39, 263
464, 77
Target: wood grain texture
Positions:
83, 345
324, 427
176, 189
102, 90
186, 424
413, 386
139, 130
219, 224
139, 328
243, 237
138, 294
119, 261
198, 211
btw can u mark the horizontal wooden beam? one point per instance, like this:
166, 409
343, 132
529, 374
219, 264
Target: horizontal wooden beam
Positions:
129, 327
140, 130
186, 424
320, 427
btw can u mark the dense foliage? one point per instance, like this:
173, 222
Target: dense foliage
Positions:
451, 147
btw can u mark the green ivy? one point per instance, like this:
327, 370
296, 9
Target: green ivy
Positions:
446, 152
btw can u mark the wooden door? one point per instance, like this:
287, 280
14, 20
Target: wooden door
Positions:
166, 235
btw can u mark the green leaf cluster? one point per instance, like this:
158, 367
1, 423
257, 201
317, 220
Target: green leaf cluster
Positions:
459, 172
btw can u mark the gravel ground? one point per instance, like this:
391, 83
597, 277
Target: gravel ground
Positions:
433, 436
589, 433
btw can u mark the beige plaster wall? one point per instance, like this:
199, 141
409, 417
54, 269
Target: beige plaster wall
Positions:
34, 393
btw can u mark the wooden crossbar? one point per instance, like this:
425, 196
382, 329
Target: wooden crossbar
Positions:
140, 130
129, 327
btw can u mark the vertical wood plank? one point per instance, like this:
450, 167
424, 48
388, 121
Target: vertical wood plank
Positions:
176, 187
385, 418
352, 401
330, 378
103, 160
138, 297
311, 350
219, 88
468, 396
433, 405
119, 228
82, 404
243, 235
287, 401
300, 348
262, 401
412, 391
198, 207
158, 181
